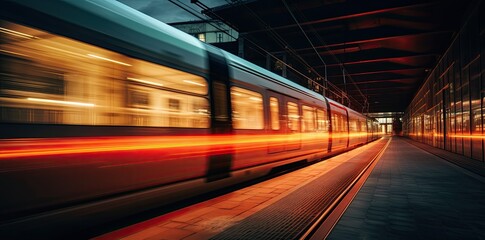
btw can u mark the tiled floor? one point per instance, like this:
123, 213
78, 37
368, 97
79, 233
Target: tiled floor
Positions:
412, 194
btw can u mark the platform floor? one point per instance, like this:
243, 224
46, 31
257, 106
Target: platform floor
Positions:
280, 208
413, 194
410, 194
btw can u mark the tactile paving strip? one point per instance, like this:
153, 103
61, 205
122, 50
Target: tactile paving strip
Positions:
291, 216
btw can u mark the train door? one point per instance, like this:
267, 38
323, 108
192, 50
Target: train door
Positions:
292, 119
340, 132
276, 126
284, 115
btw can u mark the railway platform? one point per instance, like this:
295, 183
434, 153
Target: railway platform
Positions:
413, 193
388, 189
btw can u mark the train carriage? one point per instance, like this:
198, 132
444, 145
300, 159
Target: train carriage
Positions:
104, 108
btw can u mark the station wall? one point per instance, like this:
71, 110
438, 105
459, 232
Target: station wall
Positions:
448, 110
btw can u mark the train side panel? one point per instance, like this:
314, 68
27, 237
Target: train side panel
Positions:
296, 126
99, 102
357, 128
339, 124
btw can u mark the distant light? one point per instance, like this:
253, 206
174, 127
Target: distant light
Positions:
145, 81
62, 102
195, 83
109, 60
17, 34
236, 94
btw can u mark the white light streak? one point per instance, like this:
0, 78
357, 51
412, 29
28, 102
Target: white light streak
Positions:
109, 60
64, 51
195, 83
14, 53
17, 34
145, 81
256, 99
62, 102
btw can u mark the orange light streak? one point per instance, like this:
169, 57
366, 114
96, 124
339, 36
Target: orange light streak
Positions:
172, 145
163, 146
467, 136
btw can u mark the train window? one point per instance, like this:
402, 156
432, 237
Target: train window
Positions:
71, 82
138, 98
353, 125
363, 126
247, 109
293, 117
335, 123
153, 75
343, 124
274, 113
339, 123
308, 119
322, 122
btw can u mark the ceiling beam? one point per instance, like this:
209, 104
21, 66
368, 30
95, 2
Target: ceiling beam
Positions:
384, 6
395, 80
382, 59
383, 71
376, 39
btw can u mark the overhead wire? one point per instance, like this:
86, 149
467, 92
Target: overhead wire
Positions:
342, 68
283, 44
287, 47
186, 8
276, 37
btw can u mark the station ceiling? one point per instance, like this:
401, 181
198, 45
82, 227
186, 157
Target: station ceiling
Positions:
377, 51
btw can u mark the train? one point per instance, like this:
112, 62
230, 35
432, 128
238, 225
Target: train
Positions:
104, 108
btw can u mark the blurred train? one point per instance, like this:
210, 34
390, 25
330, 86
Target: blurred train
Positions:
104, 108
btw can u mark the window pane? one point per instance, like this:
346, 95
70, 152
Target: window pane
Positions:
153, 75
71, 82
322, 121
308, 119
293, 117
201, 37
274, 112
247, 109
335, 123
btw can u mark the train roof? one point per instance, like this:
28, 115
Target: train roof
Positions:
235, 60
130, 26
281, 80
